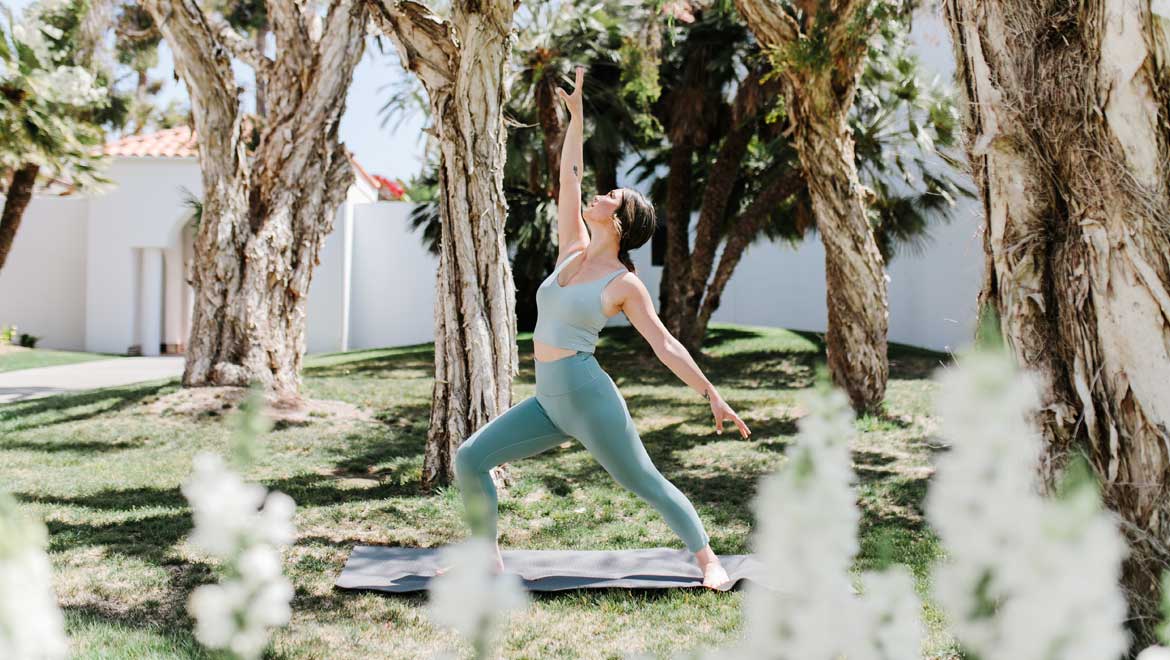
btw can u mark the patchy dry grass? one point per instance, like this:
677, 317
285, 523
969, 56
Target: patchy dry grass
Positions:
105, 475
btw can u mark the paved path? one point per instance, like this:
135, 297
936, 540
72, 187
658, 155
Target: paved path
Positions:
44, 381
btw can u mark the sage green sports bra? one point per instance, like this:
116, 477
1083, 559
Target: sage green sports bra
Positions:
570, 316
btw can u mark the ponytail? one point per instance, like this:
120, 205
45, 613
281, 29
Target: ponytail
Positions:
636, 223
624, 257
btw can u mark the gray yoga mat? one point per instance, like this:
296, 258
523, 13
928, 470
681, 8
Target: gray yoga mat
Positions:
402, 570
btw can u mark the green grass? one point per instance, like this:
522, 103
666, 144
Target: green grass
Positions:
44, 357
105, 476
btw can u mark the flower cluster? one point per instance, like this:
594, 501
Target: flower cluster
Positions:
31, 624
1028, 576
244, 525
470, 598
806, 536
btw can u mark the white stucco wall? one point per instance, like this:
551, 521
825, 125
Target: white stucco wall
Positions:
145, 209
325, 309
42, 285
393, 279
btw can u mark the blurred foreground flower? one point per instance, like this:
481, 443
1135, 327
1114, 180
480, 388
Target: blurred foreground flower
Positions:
31, 624
806, 535
470, 598
1028, 576
243, 525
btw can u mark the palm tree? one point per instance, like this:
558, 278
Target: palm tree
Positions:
818, 51
750, 174
51, 107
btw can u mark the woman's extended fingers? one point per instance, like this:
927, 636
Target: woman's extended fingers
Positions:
743, 428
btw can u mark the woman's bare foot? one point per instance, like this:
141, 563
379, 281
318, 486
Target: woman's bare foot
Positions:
714, 576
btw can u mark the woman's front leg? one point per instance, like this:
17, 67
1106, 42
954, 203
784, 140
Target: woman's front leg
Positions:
521, 431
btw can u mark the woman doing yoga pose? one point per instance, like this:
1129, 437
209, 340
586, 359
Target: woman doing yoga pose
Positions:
575, 398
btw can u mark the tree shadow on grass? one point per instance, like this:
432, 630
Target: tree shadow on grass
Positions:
71, 407
55, 446
149, 538
417, 359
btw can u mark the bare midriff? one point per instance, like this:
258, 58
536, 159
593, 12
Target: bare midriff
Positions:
546, 353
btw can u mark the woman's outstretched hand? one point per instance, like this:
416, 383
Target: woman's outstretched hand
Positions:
723, 412
573, 101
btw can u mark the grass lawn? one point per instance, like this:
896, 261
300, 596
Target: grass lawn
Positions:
14, 358
105, 476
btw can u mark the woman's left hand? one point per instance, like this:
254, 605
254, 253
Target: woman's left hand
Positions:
723, 412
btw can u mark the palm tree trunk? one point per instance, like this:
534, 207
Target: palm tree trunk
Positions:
855, 281
1068, 142
717, 192
745, 229
552, 129
820, 93
676, 273
16, 200
476, 356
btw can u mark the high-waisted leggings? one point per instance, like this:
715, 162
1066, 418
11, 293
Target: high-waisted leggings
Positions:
574, 398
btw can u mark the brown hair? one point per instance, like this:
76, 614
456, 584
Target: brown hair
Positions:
636, 222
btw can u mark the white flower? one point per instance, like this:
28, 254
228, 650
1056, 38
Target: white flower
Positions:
239, 613
214, 608
259, 564
31, 624
1154, 653
228, 511
891, 627
468, 597
1027, 576
806, 536
275, 524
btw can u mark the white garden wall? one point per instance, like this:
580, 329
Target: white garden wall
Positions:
42, 285
393, 279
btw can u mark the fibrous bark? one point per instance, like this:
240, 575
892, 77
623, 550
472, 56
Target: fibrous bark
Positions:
820, 93
460, 61
1068, 134
16, 199
266, 210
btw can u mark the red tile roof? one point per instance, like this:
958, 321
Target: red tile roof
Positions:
180, 142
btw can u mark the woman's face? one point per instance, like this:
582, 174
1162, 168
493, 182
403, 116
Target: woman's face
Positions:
602, 207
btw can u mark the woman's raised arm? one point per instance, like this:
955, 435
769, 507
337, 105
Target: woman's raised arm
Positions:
571, 232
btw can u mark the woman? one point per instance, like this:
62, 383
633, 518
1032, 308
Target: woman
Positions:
575, 398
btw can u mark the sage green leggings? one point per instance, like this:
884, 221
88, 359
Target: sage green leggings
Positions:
574, 398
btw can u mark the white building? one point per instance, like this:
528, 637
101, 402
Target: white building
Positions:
105, 272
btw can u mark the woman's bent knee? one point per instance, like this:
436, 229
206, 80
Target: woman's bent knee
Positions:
465, 462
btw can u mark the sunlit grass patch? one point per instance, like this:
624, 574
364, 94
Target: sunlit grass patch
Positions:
105, 476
